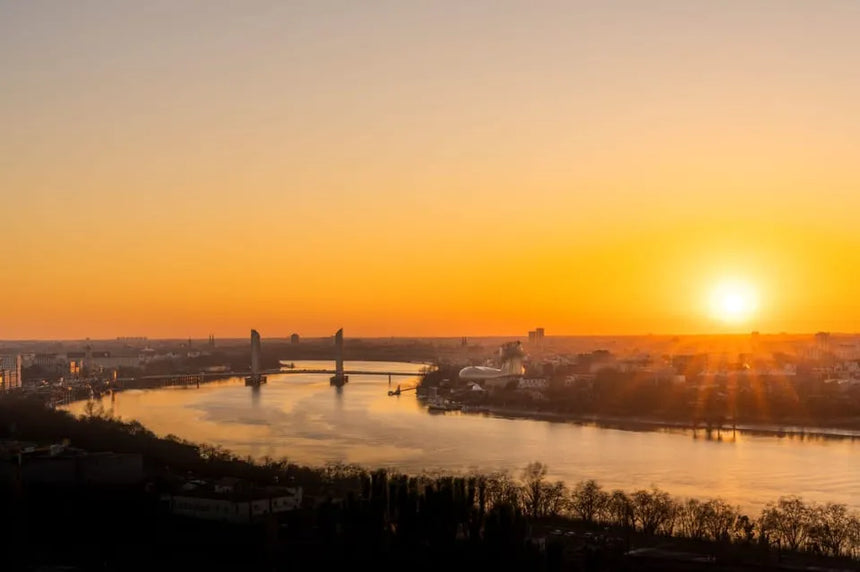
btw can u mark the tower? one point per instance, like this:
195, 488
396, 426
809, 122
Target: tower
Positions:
255, 378
255, 352
338, 378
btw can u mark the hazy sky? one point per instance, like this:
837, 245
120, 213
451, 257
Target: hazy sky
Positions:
175, 168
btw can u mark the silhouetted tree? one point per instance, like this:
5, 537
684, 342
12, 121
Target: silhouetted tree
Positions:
788, 521
588, 500
654, 510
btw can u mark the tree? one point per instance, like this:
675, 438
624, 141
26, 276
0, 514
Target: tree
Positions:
744, 529
500, 489
554, 498
95, 410
831, 528
540, 498
620, 509
588, 500
654, 510
720, 519
692, 519
788, 521
533, 488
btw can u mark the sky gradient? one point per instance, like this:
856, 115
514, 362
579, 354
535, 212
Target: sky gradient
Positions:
177, 168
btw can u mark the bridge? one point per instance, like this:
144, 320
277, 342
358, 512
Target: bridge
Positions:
196, 379
257, 375
346, 372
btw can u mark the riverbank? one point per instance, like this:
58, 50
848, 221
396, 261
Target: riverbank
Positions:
340, 516
646, 423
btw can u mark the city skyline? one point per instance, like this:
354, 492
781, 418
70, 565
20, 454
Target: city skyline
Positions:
428, 170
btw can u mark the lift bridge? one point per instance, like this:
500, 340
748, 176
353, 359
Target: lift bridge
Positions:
258, 376
339, 376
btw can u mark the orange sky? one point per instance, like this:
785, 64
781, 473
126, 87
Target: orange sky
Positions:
398, 168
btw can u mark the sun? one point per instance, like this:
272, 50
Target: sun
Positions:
733, 301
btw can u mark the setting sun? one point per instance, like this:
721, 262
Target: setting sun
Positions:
733, 301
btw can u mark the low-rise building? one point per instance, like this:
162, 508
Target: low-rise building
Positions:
538, 383
59, 464
231, 500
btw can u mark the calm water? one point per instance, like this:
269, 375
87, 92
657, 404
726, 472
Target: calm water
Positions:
303, 418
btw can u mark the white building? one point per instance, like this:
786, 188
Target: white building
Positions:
511, 358
538, 383
234, 508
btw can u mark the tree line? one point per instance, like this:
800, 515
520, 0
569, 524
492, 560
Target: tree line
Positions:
497, 511
360, 513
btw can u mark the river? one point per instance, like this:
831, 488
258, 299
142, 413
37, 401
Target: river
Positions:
303, 418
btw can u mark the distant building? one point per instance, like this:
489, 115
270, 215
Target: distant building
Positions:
847, 350
230, 501
10, 371
536, 336
65, 465
47, 361
533, 383
109, 360
821, 349
147, 355
294, 339
132, 340
511, 357
75, 363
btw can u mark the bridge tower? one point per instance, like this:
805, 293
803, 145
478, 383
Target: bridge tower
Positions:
255, 379
339, 378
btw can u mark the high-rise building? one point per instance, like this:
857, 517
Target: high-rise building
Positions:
10, 371
294, 339
822, 345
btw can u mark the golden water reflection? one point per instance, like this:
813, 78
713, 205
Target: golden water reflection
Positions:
301, 417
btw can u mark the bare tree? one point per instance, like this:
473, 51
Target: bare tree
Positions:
533, 488
588, 500
721, 519
788, 521
619, 509
692, 518
831, 528
500, 489
654, 511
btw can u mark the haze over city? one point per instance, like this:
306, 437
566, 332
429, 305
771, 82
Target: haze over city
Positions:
172, 169
416, 285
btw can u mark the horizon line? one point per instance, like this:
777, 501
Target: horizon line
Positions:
451, 336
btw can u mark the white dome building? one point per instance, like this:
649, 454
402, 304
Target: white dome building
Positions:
511, 357
479, 372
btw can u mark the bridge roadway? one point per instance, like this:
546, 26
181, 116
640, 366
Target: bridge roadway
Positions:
345, 372
192, 377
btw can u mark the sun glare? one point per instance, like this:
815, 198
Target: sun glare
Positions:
733, 302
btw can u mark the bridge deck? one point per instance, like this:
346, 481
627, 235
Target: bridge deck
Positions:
191, 377
346, 372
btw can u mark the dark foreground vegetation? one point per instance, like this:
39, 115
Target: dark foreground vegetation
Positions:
355, 517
